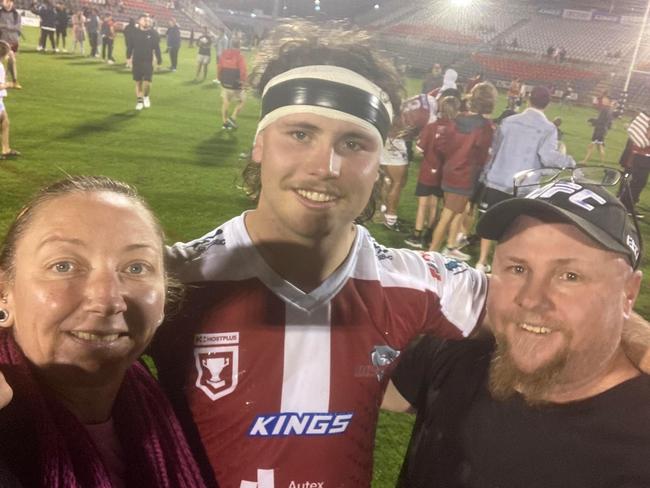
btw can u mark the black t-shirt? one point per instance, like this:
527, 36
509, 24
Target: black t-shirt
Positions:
205, 44
464, 438
144, 44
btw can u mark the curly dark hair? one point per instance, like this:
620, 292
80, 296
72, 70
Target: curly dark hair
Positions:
302, 43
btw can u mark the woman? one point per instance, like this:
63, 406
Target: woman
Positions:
82, 291
78, 30
466, 150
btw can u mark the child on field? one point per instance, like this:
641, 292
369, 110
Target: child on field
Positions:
428, 188
7, 152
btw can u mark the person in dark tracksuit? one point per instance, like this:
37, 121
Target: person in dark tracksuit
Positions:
62, 20
173, 43
145, 43
92, 27
48, 23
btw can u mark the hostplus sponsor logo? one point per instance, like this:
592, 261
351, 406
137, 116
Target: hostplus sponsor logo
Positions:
216, 358
300, 424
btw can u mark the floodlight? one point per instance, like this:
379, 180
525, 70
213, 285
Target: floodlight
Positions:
376, 6
461, 3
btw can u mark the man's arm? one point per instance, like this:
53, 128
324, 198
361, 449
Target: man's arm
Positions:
636, 341
550, 156
394, 401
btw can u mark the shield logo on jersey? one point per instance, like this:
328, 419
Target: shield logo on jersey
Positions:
217, 369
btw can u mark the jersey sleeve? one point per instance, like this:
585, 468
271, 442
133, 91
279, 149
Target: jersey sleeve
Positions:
455, 292
462, 291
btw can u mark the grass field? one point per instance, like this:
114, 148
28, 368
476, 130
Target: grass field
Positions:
76, 115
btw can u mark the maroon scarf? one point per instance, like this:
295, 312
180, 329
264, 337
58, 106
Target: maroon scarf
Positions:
45, 445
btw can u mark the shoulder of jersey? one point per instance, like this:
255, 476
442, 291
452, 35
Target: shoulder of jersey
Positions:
408, 267
202, 259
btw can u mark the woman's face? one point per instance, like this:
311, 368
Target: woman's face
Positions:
88, 289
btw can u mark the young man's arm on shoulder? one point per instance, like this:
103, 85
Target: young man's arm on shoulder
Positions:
636, 341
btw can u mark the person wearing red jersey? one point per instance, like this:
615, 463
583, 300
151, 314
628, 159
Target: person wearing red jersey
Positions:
231, 72
295, 314
466, 149
428, 188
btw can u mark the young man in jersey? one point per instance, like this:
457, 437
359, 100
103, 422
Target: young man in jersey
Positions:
554, 400
279, 360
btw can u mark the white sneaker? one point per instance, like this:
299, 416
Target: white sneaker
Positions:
139, 105
110, 61
461, 240
64, 50
485, 268
456, 254
147, 102
39, 48
56, 50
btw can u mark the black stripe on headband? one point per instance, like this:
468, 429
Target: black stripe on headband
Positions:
329, 94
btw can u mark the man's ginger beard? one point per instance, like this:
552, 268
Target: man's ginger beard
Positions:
506, 379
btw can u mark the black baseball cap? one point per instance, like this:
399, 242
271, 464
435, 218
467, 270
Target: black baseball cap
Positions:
591, 208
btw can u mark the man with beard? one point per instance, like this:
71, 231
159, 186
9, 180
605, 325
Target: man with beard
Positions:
552, 400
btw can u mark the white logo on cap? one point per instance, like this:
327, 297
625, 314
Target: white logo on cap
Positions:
578, 197
631, 243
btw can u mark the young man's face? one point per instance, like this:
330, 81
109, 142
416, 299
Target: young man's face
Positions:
556, 298
317, 173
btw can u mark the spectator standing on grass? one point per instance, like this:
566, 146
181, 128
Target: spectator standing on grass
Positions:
62, 19
78, 31
466, 149
222, 43
108, 38
232, 76
394, 162
129, 31
636, 161
514, 92
92, 27
524, 141
47, 14
428, 190
7, 151
433, 79
173, 43
146, 44
204, 43
601, 125
10, 27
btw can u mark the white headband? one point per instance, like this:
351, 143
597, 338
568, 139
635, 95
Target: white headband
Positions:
330, 91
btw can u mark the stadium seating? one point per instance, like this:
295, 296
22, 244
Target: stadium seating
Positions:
437, 21
577, 37
526, 70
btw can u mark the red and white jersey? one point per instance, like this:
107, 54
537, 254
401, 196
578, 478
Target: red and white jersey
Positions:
283, 386
419, 110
